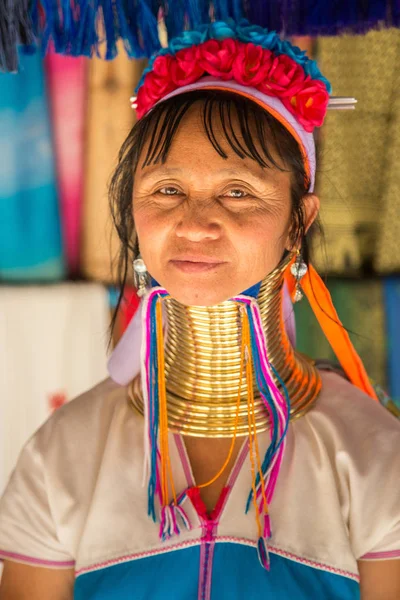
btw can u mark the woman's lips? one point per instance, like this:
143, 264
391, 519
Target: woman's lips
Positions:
194, 267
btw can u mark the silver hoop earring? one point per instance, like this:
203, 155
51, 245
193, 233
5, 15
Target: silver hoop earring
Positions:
298, 270
140, 276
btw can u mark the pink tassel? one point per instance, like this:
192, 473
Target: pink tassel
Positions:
263, 554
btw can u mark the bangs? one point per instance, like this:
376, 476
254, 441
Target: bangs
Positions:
249, 130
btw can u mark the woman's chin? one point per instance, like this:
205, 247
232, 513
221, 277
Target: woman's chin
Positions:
198, 295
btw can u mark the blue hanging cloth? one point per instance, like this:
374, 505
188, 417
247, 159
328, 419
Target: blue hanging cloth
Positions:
79, 27
321, 17
392, 312
30, 231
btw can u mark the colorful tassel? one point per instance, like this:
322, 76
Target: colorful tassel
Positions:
321, 303
278, 407
263, 554
157, 467
157, 463
264, 476
150, 395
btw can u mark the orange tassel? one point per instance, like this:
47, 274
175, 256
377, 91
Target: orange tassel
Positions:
321, 303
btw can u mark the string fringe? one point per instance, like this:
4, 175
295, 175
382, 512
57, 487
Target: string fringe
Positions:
85, 27
263, 553
171, 515
277, 405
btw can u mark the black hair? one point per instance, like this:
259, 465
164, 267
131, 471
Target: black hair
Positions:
262, 138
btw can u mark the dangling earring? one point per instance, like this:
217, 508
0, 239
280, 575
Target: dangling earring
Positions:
140, 276
298, 270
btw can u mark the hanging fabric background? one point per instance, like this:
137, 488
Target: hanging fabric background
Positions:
66, 81
30, 231
358, 174
110, 85
61, 128
52, 348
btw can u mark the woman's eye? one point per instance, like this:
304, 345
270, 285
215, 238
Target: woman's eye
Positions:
168, 191
237, 193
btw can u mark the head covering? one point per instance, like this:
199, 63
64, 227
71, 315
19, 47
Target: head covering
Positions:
247, 60
271, 104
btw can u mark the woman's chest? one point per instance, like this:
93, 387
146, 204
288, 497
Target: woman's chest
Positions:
119, 542
210, 462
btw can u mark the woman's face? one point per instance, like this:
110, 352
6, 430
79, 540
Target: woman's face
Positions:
198, 206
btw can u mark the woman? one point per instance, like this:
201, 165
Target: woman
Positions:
265, 473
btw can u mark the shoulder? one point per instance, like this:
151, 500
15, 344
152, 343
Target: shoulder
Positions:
85, 419
349, 418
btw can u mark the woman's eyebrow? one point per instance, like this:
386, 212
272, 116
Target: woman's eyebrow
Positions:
156, 171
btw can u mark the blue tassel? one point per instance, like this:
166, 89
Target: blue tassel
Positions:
127, 14
221, 10
111, 28
174, 17
204, 9
72, 24
85, 39
153, 409
147, 32
237, 10
193, 13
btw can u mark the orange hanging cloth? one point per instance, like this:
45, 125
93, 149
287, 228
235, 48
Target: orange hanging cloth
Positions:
321, 303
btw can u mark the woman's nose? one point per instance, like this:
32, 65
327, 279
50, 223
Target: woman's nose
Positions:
197, 224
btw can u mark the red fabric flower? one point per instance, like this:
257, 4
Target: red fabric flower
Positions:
248, 64
144, 101
158, 81
252, 64
216, 58
157, 84
185, 69
285, 77
309, 105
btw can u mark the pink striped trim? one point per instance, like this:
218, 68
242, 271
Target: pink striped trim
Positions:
222, 539
293, 557
381, 555
184, 459
206, 584
36, 561
207, 594
136, 556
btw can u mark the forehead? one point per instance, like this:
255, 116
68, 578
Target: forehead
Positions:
191, 147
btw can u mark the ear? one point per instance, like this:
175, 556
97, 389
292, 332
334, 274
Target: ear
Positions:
311, 205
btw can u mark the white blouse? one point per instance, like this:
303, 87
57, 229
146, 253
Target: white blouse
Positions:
76, 500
